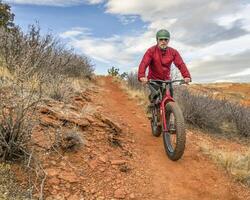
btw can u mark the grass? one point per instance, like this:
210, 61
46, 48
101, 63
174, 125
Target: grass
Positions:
140, 95
5, 76
236, 163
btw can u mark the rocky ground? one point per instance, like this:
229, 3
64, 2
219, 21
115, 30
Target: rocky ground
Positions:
99, 146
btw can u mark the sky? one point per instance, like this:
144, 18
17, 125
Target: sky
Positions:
213, 37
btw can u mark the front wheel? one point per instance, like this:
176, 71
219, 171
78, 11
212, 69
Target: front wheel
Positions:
175, 139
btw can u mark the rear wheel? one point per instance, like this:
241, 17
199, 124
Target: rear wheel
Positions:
155, 122
175, 139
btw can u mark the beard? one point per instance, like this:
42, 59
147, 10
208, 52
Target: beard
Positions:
163, 46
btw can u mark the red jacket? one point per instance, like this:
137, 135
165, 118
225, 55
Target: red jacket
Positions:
159, 63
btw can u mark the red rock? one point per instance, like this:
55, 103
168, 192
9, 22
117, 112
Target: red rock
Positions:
103, 159
74, 197
54, 181
55, 197
54, 192
52, 172
102, 169
132, 196
67, 185
69, 177
53, 162
66, 194
118, 162
120, 194
90, 119
93, 164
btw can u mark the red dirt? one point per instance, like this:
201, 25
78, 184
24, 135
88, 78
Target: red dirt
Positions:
193, 177
120, 159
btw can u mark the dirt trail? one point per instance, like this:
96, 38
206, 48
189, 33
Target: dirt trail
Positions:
192, 177
117, 157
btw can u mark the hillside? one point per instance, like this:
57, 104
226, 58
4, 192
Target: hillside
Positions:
236, 92
100, 146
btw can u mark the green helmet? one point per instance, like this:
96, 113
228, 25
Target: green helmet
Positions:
162, 34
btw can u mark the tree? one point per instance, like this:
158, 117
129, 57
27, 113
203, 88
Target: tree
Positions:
124, 75
6, 17
113, 71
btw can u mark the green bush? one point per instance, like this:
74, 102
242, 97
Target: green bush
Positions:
113, 71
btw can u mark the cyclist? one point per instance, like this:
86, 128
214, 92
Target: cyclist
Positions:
159, 59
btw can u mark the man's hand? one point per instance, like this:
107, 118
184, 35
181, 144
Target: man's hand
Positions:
144, 80
187, 80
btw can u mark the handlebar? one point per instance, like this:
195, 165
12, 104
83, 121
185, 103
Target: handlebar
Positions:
168, 81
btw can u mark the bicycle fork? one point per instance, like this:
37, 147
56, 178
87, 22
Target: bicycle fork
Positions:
167, 99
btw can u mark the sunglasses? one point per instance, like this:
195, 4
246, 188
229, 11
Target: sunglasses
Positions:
163, 39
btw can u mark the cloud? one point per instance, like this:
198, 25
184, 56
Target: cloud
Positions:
121, 51
127, 19
226, 67
212, 36
225, 60
194, 22
74, 32
62, 3
243, 73
95, 1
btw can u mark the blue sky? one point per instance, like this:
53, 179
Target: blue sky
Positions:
213, 37
61, 19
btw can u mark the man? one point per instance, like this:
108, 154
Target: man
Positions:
159, 59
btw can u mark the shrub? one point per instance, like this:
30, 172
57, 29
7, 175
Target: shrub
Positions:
213, 114
16, 122
7, 18
113, 71
26, 54
133, 82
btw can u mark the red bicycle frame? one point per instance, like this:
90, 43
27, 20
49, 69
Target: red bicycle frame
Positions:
167, 98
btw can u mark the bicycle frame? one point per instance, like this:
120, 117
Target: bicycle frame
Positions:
165, 99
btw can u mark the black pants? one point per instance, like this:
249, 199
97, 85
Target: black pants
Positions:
156, 90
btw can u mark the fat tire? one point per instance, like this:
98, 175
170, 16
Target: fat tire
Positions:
176, 153
156, 131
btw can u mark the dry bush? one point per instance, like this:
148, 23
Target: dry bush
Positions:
200, 110
58, 88
31, 53
71, 141
18, 117
133, 82
206, 112
16, 122
41, 61
239, 115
